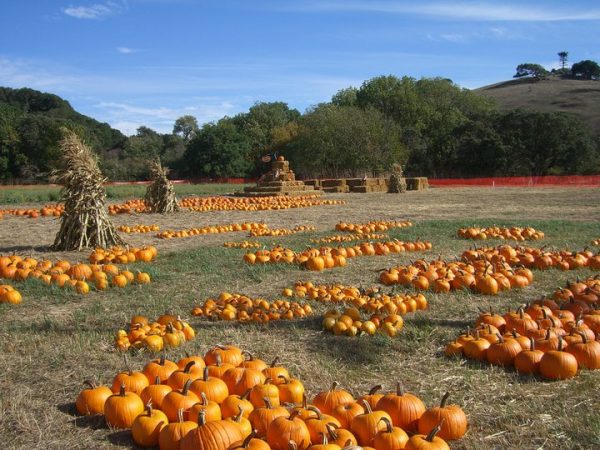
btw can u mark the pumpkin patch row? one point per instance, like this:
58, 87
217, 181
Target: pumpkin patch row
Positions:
202, 204
64, 274
242, 308
514, 233
543, 339
480, 275
166, 332
34, 213
281, 231
139, 228
372, 226
328, 257
123, 255
580, 292
9, 294
225, 401
211, 229
339, 238
242, 244
371, 300
536, 258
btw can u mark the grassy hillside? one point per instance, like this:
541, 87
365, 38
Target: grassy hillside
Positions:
580, 97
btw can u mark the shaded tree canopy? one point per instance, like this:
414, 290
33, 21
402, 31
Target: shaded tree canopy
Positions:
530, 70
589, 70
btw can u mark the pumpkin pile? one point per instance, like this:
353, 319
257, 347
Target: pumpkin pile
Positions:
371, 227
33, 213
62, 273
202, 204
514, 233
241, 244
211, 229
139, 228
328, 257
536, 258
281, 231
242, 308
9, 294
480, 275
339, 238
167, 331
543, 338
581, 293
123, 255
225, 401
136, 205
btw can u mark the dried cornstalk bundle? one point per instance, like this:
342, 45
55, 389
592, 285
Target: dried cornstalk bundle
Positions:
397, 181
85, 221
160, 195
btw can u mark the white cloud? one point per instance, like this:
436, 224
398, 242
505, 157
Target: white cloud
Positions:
95, 11
475, 11
456, 38
126, 50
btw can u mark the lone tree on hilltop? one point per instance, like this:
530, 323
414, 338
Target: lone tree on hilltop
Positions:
562, 58
530, 70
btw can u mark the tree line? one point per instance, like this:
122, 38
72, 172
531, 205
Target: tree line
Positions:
431, 126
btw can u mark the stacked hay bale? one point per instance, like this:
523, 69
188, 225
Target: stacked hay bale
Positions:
397, 182
160, 194
85, 221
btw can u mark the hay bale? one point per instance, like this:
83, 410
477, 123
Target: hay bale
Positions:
417, 183
85, 221
160, 194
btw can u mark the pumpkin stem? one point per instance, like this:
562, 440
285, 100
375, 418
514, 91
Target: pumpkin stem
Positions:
245, 395
186, 387
435, 431
267, 403
203, 399
251, 436
400, 388
122, 390
331, 430
275, 361
560, 342
148, 408
188, 366
127, 366
316, 410
583, 336
90, 384
201, 417
283, 377
162, 359
531, 343
205, 374
334, 386
292, 445
324, 438
388, 425
180, 415
157, 380
374, 389
366, 405
446, 395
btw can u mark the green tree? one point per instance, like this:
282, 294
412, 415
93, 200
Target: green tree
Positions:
336, 141
186, 127
530, 70
345, 97
562, 59
219, 150
587, 69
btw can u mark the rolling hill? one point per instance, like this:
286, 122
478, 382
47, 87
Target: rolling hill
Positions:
579, 97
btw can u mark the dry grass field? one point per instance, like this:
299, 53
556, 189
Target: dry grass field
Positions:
56, 339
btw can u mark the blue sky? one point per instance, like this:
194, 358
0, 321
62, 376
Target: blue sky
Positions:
147, 62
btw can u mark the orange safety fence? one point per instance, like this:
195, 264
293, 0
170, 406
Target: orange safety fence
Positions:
537, 181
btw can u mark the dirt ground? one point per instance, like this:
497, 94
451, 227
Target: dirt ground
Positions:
582, 204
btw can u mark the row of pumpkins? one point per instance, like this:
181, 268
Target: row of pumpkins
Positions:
373, 226
281, 231
242, 244
34, 213
223, 401
329, 257
167, 331
243, 308
513, 233
221, 203
339, 238
138, 228
63, 274
212, 229
551, 337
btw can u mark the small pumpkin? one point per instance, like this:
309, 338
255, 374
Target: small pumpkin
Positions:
147, 426
91, 400
452, 419
120, 410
